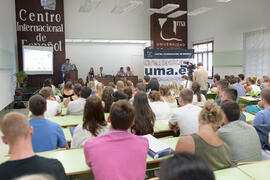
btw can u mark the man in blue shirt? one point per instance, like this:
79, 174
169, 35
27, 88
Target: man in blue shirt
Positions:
121, 72
263, 117
47, 134
237, 86
66, 67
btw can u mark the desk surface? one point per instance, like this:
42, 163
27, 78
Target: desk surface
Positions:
230, 174
249, 117
250, 98
257, 170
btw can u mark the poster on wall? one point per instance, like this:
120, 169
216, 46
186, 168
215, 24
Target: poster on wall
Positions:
168, 64
41, 23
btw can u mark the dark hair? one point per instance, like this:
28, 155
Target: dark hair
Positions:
37, 105
217, 77
265, 94
241, 76
107, 98
111, 84
231, 93
93, 115
85, 92
68, 85
155, 96
77, 89
196, 88
235, 80
184, 77
231, 110
47, 83
80, 81
122, 115
199, 64
128, 92
223, 84
146, 78
144, 118
117, 95
185, 166
153, 85
141, 87
67, 59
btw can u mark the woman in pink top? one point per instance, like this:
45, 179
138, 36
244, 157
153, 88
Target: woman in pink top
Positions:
118, 155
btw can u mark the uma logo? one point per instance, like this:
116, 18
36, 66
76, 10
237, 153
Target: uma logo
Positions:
176, 24
48, 4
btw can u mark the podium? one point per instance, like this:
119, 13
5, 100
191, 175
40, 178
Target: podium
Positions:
72, 75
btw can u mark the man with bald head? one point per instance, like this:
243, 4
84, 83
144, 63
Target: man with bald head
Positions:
17, 134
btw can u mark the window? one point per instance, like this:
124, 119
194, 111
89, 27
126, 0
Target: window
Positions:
204, 54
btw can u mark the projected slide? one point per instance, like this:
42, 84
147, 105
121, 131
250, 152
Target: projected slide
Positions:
37, 60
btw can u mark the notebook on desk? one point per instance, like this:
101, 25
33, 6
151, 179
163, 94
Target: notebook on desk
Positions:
157, 148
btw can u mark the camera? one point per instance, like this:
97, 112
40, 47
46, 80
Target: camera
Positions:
190, 67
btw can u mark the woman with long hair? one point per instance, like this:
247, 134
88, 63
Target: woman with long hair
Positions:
144, 118
94, 123
161, 109
99, 90
198, 97
107, 98
167, 97
77, 90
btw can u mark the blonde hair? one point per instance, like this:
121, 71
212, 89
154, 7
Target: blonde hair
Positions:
120, 85
100, 89
173, 89
211, 114
91, 85
14, 126
46, 92
130, 83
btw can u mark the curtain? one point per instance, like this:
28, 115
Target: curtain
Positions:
257, 53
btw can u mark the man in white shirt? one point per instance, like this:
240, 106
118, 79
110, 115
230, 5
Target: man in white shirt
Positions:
201, 76
53, 107
76, 107
186, 118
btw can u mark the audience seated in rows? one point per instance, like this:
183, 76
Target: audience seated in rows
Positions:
53, 107
94, 123
205, 143
185, 166
144, 118
242, 138
173, 88
161, 109
198, 98
48, 135
185, 117
119, 154
76, 107
23, 161
221, 85
77, 91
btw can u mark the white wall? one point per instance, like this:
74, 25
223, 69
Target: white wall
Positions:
226, 22
102, 24
110, 56
7, 52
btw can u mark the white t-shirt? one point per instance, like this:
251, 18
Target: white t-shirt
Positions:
186, 84
53, 108
80, 135
76, 107
187, 118
195, 100
255, 88
161, 109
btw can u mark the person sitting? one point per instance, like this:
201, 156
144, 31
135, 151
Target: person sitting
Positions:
205, 143
94, 123
48, 135
107, 98
101, 73
263, 116
129, 72
160, 108
53, 107
81, 82
68, 90
231, 94
22, 161
237, 133
120, 86
241, 79
99, 90
92, 86
185, 166
121, 72
221, 85
90, 76
185, 82
252, 87
145, 118
185, 117
119, 154
77, 90
216, 78
146, 79
140, 87
167, 97
198, 97
48, 83
119, 95
76, 107
128, 92
153, 85
239, 87
174, 90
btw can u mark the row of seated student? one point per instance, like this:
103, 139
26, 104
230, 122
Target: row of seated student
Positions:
217, 146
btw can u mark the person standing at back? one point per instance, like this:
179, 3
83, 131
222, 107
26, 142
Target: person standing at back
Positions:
118, 155
48, 135
17, 134
201, 76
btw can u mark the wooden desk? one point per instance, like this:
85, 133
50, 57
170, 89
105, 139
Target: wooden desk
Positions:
162, 129
258, 171
231, 174
105, 80
248, 100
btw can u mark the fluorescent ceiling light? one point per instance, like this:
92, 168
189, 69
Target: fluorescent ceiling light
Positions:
225, 1
199, 11
89, 5
177, 14
165, 9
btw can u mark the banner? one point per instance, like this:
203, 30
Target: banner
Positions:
168, 64
41, 23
